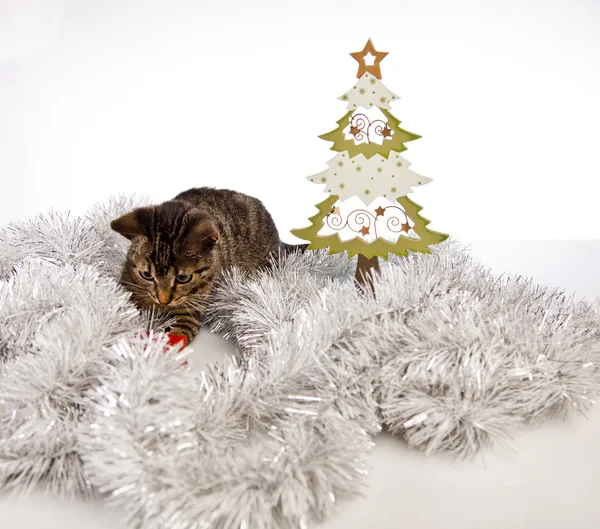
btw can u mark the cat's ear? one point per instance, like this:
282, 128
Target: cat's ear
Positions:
203, 234
133, 224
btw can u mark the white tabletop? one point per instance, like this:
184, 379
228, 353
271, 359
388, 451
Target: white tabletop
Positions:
548, 478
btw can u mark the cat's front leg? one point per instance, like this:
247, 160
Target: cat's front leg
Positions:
187, 324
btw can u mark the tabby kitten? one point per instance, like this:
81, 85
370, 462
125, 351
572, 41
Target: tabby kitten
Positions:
179, 249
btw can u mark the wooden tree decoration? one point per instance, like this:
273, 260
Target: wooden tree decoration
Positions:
367, 211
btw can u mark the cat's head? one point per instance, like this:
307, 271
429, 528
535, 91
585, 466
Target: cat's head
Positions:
173, 253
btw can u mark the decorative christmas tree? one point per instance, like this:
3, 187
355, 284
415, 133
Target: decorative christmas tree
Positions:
368, 212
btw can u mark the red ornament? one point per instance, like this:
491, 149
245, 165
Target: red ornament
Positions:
175, 339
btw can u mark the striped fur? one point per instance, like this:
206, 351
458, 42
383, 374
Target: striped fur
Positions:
181, 247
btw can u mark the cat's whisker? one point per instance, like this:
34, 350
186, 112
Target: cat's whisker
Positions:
140, 293
195, 305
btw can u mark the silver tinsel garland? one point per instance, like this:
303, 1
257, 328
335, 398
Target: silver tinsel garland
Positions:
448, 356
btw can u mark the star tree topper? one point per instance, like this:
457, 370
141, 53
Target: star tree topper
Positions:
363, 56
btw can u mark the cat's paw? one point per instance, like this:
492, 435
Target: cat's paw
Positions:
175, 331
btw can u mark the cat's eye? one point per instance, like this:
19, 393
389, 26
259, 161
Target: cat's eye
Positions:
184, 278
144, 274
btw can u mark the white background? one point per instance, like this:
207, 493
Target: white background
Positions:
102, 97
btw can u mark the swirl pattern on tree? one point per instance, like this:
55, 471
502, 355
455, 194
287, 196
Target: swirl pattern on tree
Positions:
365, 131
368, 126
350, 219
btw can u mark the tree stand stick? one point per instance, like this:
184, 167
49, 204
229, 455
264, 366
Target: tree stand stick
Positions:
365, 270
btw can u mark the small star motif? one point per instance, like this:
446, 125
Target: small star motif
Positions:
345, 97
342, 185
393, 189
364, 230
380, 211
399, 164
323, 179
382, 99
387, 132
367, 191
405, 227
354, 130
379, 169
362, 91
372, 80
358, 168
340, 163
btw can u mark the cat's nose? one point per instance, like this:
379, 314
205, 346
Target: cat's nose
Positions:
164, 298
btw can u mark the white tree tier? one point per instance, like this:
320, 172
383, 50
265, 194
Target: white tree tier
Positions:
368, 178
381, 219
368, 92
